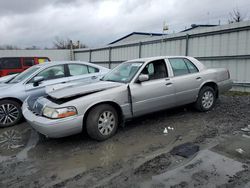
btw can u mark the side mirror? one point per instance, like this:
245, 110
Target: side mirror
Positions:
143, 77
37, 80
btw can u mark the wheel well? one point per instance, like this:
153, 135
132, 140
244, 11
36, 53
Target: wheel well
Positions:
214, 86
113, 104
13, 99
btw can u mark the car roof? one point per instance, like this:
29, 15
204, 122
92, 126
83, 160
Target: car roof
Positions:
52, 63
146, 59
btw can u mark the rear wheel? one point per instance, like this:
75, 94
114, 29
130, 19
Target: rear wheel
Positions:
206, 99
102, 122
10, 113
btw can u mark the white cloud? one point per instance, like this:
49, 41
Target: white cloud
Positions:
27, 22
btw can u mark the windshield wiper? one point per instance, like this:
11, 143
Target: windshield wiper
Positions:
111, 80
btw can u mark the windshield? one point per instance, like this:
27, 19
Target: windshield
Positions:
123, 72
22, 76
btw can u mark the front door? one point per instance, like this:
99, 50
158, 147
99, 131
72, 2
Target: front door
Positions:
52, 75
154, 94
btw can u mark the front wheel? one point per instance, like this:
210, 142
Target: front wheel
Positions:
206, 99
102, 122
10, 113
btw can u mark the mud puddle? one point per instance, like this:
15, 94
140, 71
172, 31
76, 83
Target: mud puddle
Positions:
237, 147
207, 169
52, 161
13, 140
81, 158
78, 161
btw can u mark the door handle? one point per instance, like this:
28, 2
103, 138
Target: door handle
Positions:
93, 77
168, 84
198, 78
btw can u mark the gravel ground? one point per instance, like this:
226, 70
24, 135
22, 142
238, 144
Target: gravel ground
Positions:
136, 153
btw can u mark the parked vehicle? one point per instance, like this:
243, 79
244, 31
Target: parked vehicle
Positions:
32, 83
7, 78
133, 88
14, 65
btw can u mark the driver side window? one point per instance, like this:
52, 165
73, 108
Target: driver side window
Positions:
156, 70
51, 73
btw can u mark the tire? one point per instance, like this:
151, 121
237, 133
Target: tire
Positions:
10, 113
98, 126
206, 99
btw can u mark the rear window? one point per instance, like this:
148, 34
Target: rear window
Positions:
10, 63
28, 61
182, 66
92, 69
179, 67
76, 70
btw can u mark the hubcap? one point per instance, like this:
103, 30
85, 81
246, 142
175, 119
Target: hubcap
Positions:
207, 99
8, 113
106, 123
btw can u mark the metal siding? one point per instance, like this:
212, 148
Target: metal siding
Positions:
233, 43
125, 53
83, 56
54, 55
224, 44
113, 65
193, 46
216, 46
239, 69
144, 50
100, 55
243, 43
115, 54
103, 64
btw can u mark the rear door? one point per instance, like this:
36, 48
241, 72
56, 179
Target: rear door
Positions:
155, 94
52, 75
82, 73
186, 79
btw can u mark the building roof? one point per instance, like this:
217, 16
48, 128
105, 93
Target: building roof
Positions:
137, 33
195, 26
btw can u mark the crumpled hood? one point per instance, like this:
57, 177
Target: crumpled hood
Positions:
82, 89
52, 88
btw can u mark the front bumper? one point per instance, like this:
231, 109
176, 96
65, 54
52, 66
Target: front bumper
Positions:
53, 128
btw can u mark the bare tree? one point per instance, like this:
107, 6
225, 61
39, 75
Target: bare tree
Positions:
60, 43
9, 47
32, 48
235, 16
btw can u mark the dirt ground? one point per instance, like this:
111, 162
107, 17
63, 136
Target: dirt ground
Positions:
139, 154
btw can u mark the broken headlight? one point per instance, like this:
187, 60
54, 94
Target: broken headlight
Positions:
56, 113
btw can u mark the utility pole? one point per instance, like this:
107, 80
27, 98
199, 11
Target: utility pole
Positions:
164, 28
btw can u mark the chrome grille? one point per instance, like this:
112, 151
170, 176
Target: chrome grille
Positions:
34, 106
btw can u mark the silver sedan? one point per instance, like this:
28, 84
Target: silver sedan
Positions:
132, 89
32, 82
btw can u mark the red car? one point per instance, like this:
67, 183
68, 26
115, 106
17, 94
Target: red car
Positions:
14, 65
